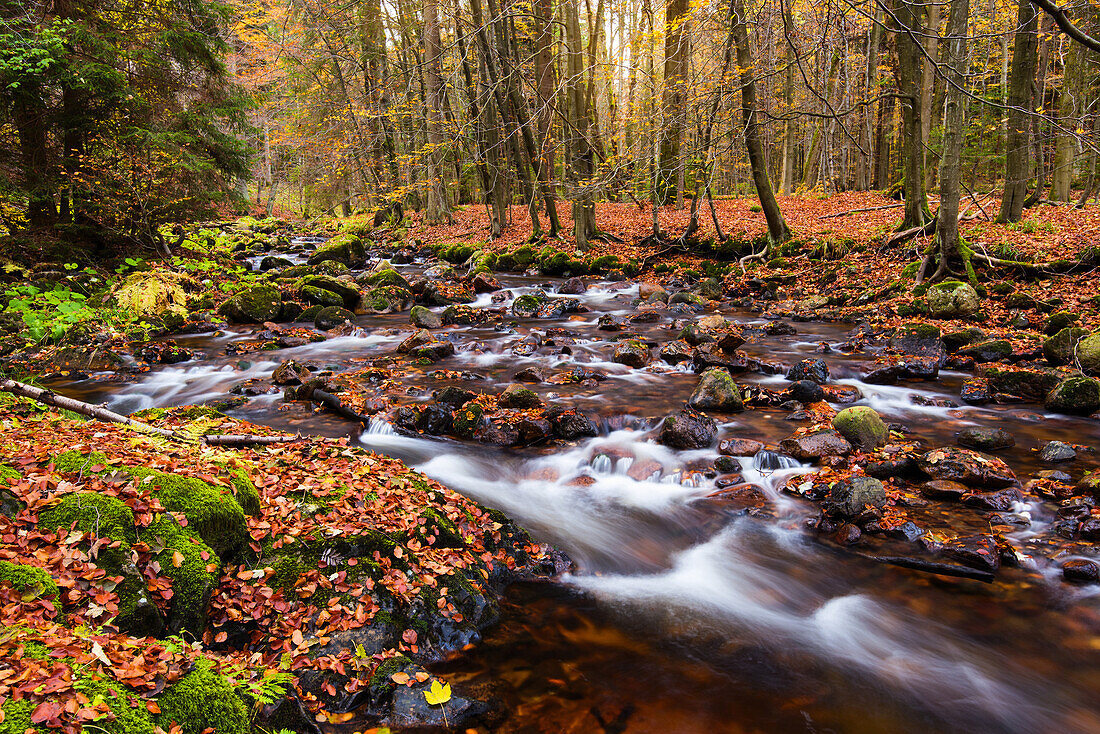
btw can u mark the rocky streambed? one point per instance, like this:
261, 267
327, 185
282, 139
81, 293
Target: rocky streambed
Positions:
775, 520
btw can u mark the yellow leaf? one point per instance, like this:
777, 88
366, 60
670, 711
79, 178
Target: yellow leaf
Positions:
439, 694
177, 559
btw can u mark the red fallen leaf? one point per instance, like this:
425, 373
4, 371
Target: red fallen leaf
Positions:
152, 707
47, 712
409, 636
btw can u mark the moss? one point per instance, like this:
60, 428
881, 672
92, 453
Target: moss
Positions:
190, 580
204, 698
527, 305
28, 579
446, 532
17, 717
387, 298
918, 330
213, 513
130, 713
346, 248
248, 497
76, 462
8, 474
253, 305
380, 679
320, 296
35, 650
604, 263
467, 419
100, 514
389, 276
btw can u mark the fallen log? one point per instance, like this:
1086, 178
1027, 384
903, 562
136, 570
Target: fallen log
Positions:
98, 412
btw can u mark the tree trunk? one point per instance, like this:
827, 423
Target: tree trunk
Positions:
786, 175
1021, 80
581, 158
754, 143
546, 83
928, 86
1069, 103
438, 207
673, 97
907, 27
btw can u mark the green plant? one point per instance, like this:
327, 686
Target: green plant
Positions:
48, 314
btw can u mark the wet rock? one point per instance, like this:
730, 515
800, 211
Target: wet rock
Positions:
675, 352
455, 397
403, 256
1061, 348
730, 341
1024, 382
649, 292
717, 391
907, 531
440, 293
607, 322
1074, 396
932, 401
1089, 484
952, 299
806, 391
1080, 571
533, 430
442, 271
687, 429
345, 248
985, 439
497, 434
726, 465
484, 283
527, 306
694, 335
956, 340
331, 317
435, 420
975, 391
570, 424
573, 287
920, 340
739, 447
414, 340
1000, 501
814, 370
1054, 452
422, 318
645, 316
463, 315
515, 396
779, 328
633, 353
813, 446
319, 296
994, 350
433, 351
842, 394
847, 534
409, 709
253, 305
530, 374
345, 289
975, 551
708, 355
271, 262
967, 467
862, 427
894, 466
290, 373
386, 299
943, 489
849, 497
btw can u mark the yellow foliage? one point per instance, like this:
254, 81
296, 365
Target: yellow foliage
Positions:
153, 292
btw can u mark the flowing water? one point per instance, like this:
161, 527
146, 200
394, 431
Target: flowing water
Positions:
680, 615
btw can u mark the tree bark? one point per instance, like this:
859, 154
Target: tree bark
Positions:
1021, 80
1069, 103
907, 27
673, 98
438, 207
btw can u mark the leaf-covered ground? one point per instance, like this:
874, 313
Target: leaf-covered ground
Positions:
242, 569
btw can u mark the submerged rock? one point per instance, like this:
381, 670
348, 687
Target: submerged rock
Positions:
1054, 452
985, 439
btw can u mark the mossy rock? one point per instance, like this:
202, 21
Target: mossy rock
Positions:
717, 390
332, 316
1061, 348
1058, 321
211, 511
346, 289
192, 583
320, 296
862, 427
203, 699
952, 299
1074, 396
604, 263
248, 497
130, 713
387, 276
330, 267
527, 306
467, 419
100, 514
387, 299
253, 305
29, 580
345, 248
1088, 353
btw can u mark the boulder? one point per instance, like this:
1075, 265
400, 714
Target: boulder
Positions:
464, 315
649, 292
1054, 452
253, 305
985, 439
331, 317
386, 276
1029, 383
975, 391
814, 370
573, 287
290, 373
422, 318
919, 340
952, 299
675, 352
517, 396
739, 447
813, 446
632, 352
433, 351
1081, 571
1074, 396
570, 424
966, 467
975, 551
849, 497
386, 299
687, 429
806, 391
483, 282
527, 306
1058, 321
414, 340
344, 288
717, 391
993, 350
1088, 353
1061, 348
345, 248
956, 340
862, 427
319, 296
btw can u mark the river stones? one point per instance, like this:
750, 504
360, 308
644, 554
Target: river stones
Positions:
976, 551
952, 299
433, 351
483, 282
919, 340
956, 340
675, 352
975, 391
422, 318
815, 445
1054, 452
687, 429
943, 489
717, 391
272, 262
456, 397
632, 353
709, 355
993, 350
806, 391
1088, 353
814, 370
345, 290
463, 315
442, 293
848, 497
1002, 500
331, 317
345, 248
862, 427
253, 305
290, 373
573, 287
650, 292
517, 396
530, 374
1081, 571
416, 339
1074, 396
1028, 383
966, 467
570, 424
739, 447
985, 439
1061, 348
